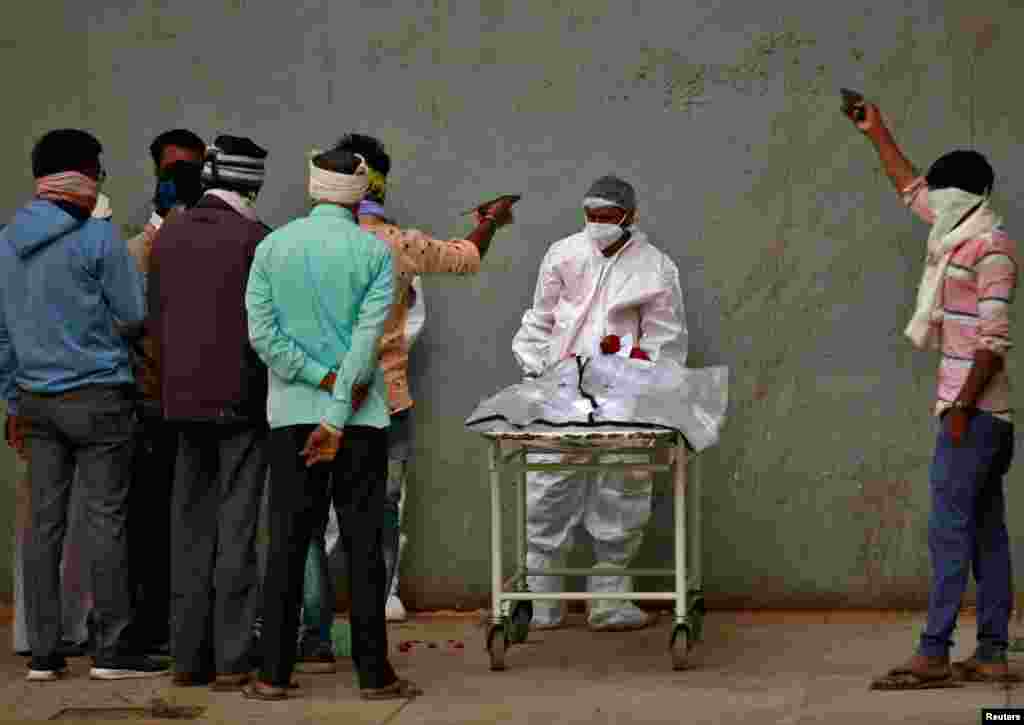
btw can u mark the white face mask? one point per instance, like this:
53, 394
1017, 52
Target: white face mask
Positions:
949, 206
604, 235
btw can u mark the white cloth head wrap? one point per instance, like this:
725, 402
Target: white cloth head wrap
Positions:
330, 186
949, 206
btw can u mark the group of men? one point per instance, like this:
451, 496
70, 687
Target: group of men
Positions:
175, 370
169, 372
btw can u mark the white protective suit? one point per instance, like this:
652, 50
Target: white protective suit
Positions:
581, 297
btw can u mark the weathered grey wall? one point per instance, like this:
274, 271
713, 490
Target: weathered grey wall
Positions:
797, 262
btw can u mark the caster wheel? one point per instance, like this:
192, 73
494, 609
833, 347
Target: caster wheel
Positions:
497, 644
679, 648
695, 617
519, 626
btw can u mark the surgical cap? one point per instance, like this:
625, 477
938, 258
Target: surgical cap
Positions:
614, 190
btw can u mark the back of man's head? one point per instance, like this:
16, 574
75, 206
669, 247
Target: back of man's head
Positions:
179, 137
338, 161
966, 170
65, 149
369, 148
235, 163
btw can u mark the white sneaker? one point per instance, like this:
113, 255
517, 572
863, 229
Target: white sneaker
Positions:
394, 611
549, 615
46, 675
617, 616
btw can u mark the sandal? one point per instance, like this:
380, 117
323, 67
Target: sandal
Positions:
191, 679
257, 690
230, 683
971, 670
397, 690
910, 681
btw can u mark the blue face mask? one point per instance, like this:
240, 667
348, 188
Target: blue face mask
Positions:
179, 184
166, 195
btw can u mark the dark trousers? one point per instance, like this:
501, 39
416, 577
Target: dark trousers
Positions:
967, 531
355, 483
93, 429
149, 529
218, 486
319, 592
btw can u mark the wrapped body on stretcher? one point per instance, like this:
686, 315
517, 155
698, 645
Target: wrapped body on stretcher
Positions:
606, 390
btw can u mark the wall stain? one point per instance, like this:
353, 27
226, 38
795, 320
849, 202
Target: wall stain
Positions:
886, 505
684, 84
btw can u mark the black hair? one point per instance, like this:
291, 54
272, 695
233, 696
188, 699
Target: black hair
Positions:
338, 161
65, 149
239, 146
966, 170
369, 148
181, 137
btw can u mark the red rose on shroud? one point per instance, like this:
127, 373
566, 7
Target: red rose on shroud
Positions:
638, 354
611, 345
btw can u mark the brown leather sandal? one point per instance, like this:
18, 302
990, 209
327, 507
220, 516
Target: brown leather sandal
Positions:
910, 681
397, 690
972, 670
257, 690
191, 679
230, 682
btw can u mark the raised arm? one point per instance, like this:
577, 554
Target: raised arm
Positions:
896, 166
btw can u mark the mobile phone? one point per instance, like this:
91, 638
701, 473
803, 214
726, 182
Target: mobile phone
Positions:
852, 99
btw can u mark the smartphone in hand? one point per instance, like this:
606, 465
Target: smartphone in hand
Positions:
853, 104
480, 207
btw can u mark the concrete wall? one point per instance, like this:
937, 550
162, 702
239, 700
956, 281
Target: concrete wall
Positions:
797, 262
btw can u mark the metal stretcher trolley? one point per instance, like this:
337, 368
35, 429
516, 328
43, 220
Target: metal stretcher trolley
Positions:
511, 607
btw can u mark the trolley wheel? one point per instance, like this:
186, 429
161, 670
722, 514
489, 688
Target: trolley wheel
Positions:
679, 647
497, 644
519, 622
696, 619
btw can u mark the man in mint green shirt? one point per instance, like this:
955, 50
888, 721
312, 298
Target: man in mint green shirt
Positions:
320, 290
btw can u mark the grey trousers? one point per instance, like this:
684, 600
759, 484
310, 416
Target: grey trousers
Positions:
215, 509
92, 429
75, 597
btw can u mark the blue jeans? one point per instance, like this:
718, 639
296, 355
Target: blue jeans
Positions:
967, 531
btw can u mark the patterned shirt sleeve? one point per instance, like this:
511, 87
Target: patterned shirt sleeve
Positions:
997, 283
436, 256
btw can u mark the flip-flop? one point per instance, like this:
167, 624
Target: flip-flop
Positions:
910, 681
398, 690
268, 694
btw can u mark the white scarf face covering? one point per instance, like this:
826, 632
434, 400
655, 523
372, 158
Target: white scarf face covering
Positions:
344, 189
241, 204
949, 206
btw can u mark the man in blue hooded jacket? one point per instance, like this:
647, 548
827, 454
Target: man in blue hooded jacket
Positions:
67, 379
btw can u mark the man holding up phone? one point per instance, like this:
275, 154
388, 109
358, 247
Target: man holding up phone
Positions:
963, 309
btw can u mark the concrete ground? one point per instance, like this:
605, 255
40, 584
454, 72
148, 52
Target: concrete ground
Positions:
752, 668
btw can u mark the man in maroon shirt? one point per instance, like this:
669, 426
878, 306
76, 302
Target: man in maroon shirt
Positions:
214, 389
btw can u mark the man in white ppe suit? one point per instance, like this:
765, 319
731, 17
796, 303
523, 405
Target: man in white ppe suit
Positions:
604, 290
